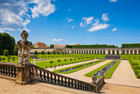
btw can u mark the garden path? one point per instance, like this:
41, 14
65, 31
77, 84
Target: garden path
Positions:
124, 75
80, 74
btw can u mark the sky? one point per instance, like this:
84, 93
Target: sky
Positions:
72, 21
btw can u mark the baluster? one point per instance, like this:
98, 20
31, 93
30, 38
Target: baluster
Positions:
0, 69
75, 83
6, 70
51, 78
9, 68
48, 76
40, 74
65, 81
55, 79
61, 80
78, 84
72, 83
44, 75
58, 80
15, 72
11, 71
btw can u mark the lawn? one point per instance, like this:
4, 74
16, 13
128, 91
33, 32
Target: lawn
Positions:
79, 68
108, 74
135, 57
135, 64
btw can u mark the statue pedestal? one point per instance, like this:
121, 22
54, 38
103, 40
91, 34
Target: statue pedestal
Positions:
23, 74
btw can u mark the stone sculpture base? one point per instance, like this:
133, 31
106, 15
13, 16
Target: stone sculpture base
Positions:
23, 74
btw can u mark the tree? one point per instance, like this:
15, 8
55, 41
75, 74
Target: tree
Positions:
52, 46
42, 52
32, 46
48, 52
62, 52
58, 52
7, 42
53, 52
35, 52
5, 53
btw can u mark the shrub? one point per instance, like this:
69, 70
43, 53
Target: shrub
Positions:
134, 64
70, 59
51, 62
65, 59
59, 60
35, 52
138, 75
13, 58
42, 52
136, 67
48, 52
58, 52
53, 52
5, 53
62, 52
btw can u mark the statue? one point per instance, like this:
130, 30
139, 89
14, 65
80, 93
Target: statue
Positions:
94, 78
24, 48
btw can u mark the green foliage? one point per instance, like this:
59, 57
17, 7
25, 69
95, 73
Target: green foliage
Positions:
42, 52
35, 52
91, 46
62, 52
58, 52
6, 42
51, 62
5, 53
48, 52
52, 46
59, 60
135, 45
32, 46
53, 52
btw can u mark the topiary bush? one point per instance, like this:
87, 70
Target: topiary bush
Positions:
42, 52
5, 53
35, 52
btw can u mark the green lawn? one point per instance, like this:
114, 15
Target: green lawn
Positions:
108, 74
135, 64
74, 70
135, 57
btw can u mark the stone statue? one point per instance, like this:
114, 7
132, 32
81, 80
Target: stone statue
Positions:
94, 78
24, 48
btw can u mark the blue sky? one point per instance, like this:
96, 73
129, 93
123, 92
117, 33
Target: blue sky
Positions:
72, 21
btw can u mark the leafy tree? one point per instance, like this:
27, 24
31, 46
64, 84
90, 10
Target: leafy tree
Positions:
58, 52
5, 53
35, 52
42, 52
48, 52
53, 52
52, 46
32, 46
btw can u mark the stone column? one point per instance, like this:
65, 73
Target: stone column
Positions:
111, 52
115, 52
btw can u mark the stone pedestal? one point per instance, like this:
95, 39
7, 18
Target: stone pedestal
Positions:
23, 74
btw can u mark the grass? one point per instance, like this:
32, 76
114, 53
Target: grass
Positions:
135, 57
135, 64
74, 70
44, 64
94, 71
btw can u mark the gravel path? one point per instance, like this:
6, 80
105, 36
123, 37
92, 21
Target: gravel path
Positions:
124, 75
80, 74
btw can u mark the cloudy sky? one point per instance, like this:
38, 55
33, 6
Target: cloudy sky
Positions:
72, 21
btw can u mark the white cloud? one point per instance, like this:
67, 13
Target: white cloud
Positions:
43, 7
113, 0
57, 40
14, 13
86, 21
82, 24
114, 29
105, 17
96, 22
69, 20
98, 27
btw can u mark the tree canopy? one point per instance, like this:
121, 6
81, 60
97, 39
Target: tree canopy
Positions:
7, 42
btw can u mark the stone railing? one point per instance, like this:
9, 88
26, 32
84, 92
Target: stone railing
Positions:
54, 78
8, 69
